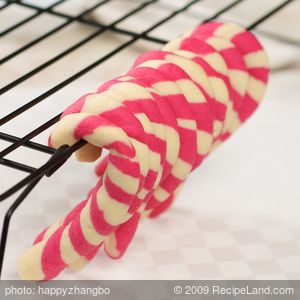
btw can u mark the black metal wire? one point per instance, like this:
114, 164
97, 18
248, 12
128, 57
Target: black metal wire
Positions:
51, 32
96, 24
32, 145
8, 216
59, 156
16, 165
269, 14
223, 10
30, 18
56, 58
5, 5
29, 136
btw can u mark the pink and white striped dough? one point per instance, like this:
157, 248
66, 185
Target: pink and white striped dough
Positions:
158, 122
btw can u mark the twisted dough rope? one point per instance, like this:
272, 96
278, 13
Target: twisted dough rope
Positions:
158, 121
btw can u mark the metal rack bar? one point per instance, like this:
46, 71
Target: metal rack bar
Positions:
95, 24
5, 5
51, 32
8, 216
32, 145
223, 10
17, 165
58, 157
69, 50
30, 18
269, 14
29, 136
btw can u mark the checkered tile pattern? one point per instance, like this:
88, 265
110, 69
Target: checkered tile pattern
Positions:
184, 243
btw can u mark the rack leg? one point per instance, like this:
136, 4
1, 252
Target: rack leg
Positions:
8, 216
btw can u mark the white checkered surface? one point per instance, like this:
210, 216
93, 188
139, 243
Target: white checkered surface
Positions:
182, 244
237, 216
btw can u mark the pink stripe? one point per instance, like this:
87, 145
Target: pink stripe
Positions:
124, 235
80, 244
259, 73
206, 29
249, 106
125, 166
40, 236
51, 261
97, 218
247, 42
116, 192
161, 207
233, 59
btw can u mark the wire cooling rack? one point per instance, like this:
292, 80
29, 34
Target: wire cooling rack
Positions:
85, 18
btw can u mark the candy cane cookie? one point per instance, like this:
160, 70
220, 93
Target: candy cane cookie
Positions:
158, 122
241, 84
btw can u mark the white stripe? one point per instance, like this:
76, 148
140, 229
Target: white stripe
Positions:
111, 245
181, 169
173, 145
87, 227
63, 132
256, 89
99, 103
29, 264
194, 71
216, 61
185, 53
204, 141
228, 30
220, 90
131, 90
51, 229
160, 194
187, 124
166, 88
124, 181
106, 135
172, 45
142, 193
239, 80
219, 43
256, 59
217, 128
67, 251
114, 211
155, 64
125, 78
145, 122
143, 156
233, 122
191, 92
